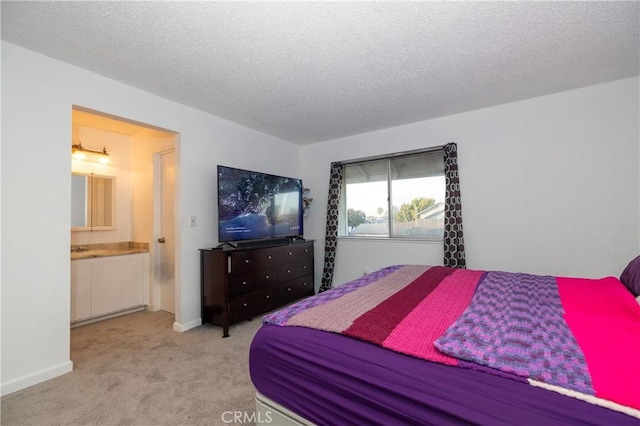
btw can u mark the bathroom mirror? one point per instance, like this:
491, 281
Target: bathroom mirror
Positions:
92, 202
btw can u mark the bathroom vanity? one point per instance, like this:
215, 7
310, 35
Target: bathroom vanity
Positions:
108, 281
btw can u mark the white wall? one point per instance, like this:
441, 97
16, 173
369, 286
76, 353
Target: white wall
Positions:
37, 97
549, 185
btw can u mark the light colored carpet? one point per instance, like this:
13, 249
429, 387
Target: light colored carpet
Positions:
135, 370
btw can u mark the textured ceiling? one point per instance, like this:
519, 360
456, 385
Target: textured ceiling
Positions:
313, 71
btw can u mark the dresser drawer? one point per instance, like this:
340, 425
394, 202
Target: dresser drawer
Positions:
272, 256
305, 251
252, 260
244, 261
250, 281
295, 289
289, 253
295, 269
252, 304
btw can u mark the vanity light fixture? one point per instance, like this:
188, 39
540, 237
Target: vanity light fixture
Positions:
79, 152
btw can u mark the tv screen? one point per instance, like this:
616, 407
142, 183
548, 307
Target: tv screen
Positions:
255, 206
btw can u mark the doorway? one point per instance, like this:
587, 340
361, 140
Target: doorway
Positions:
133, 149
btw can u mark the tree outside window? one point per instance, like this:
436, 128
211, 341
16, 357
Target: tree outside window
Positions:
401, 196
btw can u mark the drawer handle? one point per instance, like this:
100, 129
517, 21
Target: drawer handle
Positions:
288, 271
266, 277
246, 261
244, 283
306, 250
244, 304
304, 283
289, 289
304, 267
290, 253
267, 297
269, 257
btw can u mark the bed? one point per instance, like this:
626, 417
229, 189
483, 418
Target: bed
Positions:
414, 344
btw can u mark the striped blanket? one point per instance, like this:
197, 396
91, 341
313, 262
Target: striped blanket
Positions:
580, 337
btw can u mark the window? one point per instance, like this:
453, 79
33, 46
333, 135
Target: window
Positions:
399, 196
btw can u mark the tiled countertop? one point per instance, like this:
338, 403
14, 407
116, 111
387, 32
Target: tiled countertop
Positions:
108, 249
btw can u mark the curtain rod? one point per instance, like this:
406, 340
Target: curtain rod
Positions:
397, 154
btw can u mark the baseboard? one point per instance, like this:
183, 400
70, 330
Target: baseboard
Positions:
34, 379
188, 326
107, 316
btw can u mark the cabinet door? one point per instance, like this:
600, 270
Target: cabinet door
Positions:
118, 283
80, 289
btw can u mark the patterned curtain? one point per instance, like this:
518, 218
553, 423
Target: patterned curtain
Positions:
453, 239
331, 239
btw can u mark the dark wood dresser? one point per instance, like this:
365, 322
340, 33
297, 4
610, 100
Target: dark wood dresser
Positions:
241, 283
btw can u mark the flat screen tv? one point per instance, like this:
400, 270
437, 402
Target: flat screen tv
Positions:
254, 206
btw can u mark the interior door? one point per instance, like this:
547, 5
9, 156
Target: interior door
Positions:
167, 226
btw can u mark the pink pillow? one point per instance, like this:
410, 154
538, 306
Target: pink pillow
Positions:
631, 276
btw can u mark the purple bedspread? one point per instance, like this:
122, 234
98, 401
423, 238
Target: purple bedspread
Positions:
331, 379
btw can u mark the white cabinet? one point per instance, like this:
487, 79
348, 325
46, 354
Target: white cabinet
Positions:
107, 285
80, 289
117, 283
